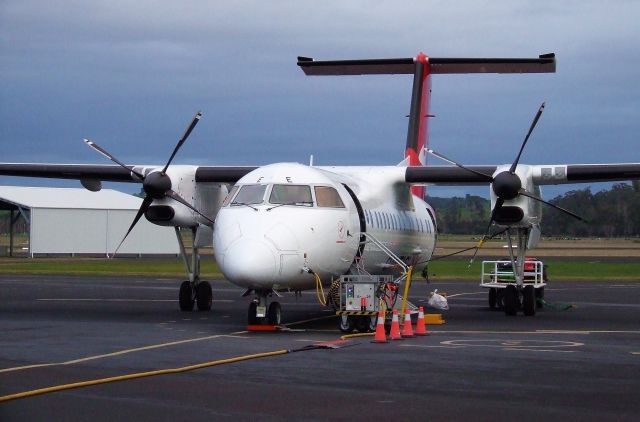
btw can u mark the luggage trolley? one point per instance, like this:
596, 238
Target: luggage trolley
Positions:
361, 297
498, 275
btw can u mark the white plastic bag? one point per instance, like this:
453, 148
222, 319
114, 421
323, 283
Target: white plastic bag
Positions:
438, 301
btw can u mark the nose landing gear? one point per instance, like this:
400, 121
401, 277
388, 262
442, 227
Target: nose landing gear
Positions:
262, 311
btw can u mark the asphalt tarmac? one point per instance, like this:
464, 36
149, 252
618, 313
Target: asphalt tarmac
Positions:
576, 364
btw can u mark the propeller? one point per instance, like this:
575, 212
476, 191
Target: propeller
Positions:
157, 184
507, 184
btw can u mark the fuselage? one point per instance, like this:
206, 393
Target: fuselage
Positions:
282, 220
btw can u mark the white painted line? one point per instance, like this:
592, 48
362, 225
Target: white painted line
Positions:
588, 332
466, 294
432, 347
122, 352
513, 349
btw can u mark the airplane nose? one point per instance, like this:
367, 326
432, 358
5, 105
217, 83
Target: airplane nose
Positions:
249, 262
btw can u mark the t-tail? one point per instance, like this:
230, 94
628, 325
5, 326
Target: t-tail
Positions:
422, 67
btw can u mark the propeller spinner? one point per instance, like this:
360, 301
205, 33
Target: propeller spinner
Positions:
157, 184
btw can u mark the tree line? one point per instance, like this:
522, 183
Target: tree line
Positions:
610, 213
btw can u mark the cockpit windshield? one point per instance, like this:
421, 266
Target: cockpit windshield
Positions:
250, 194
291, 195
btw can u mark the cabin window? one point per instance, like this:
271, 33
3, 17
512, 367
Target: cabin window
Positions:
291, 195
250, 194
326, 196
230, 195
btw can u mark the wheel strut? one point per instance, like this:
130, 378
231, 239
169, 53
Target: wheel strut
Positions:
193, 291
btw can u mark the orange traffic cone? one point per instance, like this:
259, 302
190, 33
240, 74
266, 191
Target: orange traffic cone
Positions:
421, 327
381, 336
407, 331
395, 327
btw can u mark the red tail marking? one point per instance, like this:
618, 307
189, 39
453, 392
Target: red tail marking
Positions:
423, 132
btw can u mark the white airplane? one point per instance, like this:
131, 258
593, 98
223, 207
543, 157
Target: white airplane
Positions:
294, 227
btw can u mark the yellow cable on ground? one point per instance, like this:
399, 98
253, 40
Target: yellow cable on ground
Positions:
347, 336
320, 291
56, 388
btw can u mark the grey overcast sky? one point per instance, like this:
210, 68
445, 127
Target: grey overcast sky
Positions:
131, 74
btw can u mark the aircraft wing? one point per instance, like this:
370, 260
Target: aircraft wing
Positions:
114, 173
552, 174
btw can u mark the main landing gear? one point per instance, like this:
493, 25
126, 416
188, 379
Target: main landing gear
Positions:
263, 311
519, 296
193, 291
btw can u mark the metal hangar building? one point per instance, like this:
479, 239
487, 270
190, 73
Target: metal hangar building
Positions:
79, 222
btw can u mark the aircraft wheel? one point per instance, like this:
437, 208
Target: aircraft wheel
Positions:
252, 319
274, 313
204, 296
529, 300
539, 297
347, 324
500, 298
185, 297
493, 297
364, 323
511, 300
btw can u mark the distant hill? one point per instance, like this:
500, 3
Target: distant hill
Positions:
612, 213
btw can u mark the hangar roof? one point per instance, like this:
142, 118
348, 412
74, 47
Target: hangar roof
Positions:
38, 197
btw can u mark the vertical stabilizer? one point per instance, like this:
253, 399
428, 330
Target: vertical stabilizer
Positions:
422, 67
417, 133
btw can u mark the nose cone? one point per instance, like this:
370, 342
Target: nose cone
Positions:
250, 263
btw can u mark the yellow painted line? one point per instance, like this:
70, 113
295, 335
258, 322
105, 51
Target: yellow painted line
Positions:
118, 300
102, 300
118, 353
137, 375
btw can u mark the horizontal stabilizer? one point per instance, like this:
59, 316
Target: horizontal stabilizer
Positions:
545, 63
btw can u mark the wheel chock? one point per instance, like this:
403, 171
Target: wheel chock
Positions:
262, 327
433, 319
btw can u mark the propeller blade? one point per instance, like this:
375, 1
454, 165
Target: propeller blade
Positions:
143, 208
566, 211
450, 161
174, 195
104, 152
187, 132
533, 125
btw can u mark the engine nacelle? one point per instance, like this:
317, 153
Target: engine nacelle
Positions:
205, 197
520, 211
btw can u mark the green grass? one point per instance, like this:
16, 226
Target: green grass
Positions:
557, 270
164, 267
174, 268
